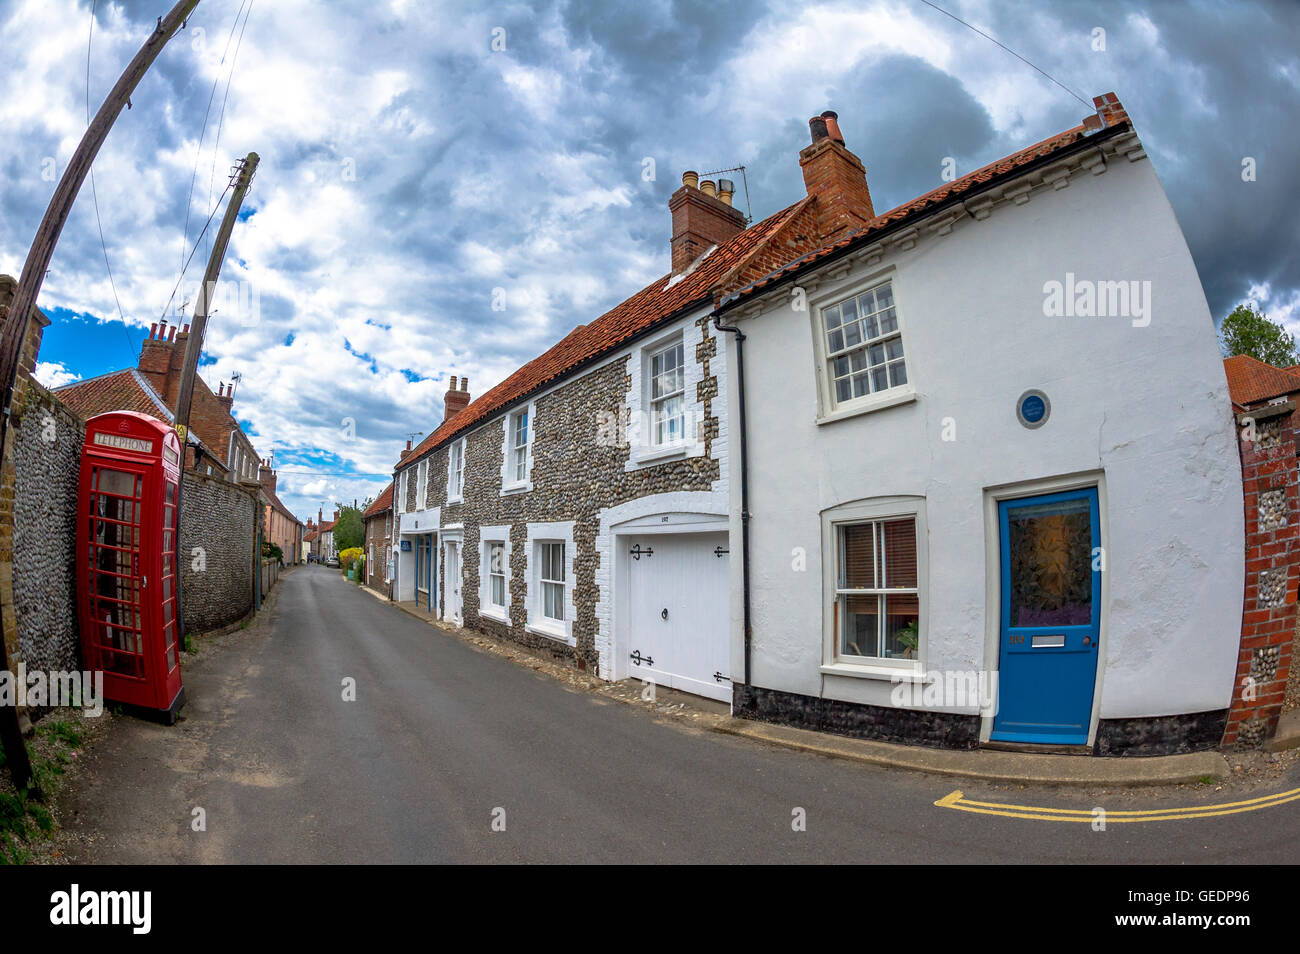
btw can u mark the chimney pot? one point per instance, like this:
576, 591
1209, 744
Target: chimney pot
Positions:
185, 330
817, 126
691, 179
726, 188
153, 329
171, 334
708, 187
464, 385
833, 126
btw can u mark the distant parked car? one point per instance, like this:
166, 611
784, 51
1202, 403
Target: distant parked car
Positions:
332, 563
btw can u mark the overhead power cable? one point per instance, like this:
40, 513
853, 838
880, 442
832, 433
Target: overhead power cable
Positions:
1009, 50
203, 131
94, 193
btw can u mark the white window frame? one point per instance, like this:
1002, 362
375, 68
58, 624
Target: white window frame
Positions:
400, 502
652, 402
489, 537
421, 484
547, 580
456, 471
537, 623
831, 409
865, 511
510, 484
643, 452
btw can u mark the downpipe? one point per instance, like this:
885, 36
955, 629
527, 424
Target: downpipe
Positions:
744, 487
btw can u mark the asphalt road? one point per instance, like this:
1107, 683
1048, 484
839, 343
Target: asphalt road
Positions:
442, 740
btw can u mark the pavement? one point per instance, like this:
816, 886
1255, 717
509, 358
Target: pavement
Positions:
1287, 735
991, 765
448, 753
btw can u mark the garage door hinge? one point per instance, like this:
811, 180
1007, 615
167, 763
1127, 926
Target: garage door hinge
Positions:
719, 677
719, 551
637, 552
637, 658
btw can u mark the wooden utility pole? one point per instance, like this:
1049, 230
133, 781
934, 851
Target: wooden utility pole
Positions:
194, 347
14, 332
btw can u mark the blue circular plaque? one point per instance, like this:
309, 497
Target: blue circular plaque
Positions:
1033, 408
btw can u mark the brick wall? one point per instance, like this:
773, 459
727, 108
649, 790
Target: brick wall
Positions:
222, 519
1268, 628
377, 541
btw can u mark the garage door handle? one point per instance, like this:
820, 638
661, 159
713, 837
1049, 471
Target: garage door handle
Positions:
664, 614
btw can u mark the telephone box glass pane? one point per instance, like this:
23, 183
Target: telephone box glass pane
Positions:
114, 558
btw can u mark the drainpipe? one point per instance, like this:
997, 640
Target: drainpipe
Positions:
744, 483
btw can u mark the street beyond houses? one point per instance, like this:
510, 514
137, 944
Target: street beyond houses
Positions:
450, 754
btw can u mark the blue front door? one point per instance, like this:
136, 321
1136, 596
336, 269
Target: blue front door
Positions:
1051, 602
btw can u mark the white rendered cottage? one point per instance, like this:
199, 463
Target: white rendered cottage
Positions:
993, 494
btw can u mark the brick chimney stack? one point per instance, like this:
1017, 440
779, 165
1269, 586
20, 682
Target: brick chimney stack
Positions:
836, 179
701, 219
402, 455
456, 399
266, 476
226, 395
162, 358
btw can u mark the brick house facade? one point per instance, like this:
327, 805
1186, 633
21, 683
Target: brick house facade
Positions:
280, 526
378, 546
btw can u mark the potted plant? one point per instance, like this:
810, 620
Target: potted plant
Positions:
909, 638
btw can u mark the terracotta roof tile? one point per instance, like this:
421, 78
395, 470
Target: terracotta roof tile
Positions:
656, 302
279, 505
125, 390
921, 204
382, 503
1251, 380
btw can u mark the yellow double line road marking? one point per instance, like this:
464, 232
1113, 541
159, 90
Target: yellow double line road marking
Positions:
957, 800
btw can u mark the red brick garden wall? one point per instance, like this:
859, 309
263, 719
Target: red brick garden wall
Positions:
1267, 444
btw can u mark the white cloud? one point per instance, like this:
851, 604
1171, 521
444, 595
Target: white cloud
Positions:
54, 374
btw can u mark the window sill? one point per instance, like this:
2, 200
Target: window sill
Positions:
493, 613
516, 488
912, 672
459, 498
550, 631
904, 396
649, 455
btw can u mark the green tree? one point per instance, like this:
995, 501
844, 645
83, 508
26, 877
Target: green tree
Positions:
350, 531
1247, 330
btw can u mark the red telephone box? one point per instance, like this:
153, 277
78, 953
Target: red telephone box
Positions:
126, 553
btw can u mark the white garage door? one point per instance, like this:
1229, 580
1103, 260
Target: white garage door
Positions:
678, 610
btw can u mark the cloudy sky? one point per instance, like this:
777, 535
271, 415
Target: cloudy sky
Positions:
417, 156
